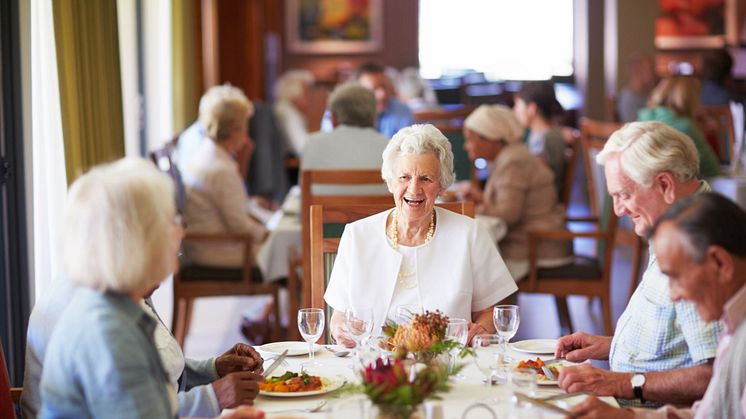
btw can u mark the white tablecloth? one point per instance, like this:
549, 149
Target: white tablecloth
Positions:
463, 392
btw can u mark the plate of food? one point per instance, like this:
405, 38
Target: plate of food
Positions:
294, 348
541, 376
293, 384
536, 346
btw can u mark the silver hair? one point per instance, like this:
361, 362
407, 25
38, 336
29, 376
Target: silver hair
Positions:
223, 109
353, 104
118, 218
419, 139
292, 84
649, 148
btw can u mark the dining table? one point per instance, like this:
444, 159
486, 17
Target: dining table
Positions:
468, 397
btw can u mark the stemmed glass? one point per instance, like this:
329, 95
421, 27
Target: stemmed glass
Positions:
457, 330
405, 313
311, 326
487, 356
506, 319
359, 322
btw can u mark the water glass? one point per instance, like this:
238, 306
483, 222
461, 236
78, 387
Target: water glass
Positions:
487, 355
405, 313
506, 319
522, 380
359, 323
311, 326
458, 331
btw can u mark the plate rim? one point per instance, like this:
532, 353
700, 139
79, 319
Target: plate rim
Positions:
339, 381
513, 345
316, 347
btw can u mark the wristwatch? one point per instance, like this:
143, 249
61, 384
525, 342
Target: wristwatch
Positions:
637, 381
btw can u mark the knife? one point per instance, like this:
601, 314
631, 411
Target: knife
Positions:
275, 364
544, 405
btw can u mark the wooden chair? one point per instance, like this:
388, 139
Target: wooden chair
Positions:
323, 250
717, 124
308, 179
193, 281
591, 131
9, 396
588, 276
572, 142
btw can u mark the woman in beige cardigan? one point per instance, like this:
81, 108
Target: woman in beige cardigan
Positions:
520, 189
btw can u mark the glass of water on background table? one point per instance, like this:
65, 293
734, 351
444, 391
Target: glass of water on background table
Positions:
506, 319
311, 326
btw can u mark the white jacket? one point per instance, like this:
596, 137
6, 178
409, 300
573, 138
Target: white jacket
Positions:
460, 270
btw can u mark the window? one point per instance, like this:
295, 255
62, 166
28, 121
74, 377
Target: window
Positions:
505, 39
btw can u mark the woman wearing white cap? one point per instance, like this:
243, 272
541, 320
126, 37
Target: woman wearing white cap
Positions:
520, 189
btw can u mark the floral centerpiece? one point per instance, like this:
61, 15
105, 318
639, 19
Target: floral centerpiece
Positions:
424, 337
398, 385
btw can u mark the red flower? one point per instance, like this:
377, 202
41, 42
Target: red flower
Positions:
386, 375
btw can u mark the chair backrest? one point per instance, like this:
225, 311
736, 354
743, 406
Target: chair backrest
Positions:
572, 142
6, 402
322, 247
607, 219
716, 123
593, 136
309, 178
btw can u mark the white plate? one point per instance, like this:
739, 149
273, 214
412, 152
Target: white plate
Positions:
536, 346
329, 384
294, 348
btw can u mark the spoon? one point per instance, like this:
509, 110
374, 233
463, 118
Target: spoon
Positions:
340, 353
312, 409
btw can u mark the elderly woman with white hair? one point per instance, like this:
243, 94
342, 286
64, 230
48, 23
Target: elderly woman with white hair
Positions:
520, 189
216, 198
122, 238
417, 254
292, 95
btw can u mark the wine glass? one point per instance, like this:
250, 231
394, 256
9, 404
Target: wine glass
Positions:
405, 313
359, 322
458, 331
522, 380
487, 356
506, 319
311, 326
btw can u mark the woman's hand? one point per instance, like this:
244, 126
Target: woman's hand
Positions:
475, 329
339, 331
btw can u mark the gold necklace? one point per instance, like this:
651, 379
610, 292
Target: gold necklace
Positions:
394, 230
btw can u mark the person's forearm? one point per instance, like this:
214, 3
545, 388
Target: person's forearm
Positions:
681, 386
337, 321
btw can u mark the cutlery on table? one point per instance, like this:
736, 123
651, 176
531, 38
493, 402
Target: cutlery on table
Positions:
548, 372
565, 396
275, 364
340, 353
313, 409
544, 405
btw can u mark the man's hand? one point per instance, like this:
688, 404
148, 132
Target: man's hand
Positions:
339, 334
579, 347
237, 388
240, 357
243, 412
595, 380
592, 408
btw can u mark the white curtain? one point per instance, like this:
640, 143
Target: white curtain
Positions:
49, 179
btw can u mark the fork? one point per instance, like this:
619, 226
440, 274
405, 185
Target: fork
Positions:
320, 405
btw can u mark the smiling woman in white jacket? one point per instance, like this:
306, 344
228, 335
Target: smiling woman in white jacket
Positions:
416, 254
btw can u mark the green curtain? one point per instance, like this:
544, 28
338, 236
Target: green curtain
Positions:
186, 69
90, 86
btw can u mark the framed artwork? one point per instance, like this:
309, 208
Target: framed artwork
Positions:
333, 26
694, 24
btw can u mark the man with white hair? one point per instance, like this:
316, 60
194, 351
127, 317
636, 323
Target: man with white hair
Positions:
292, 101
353, 144
662, 350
